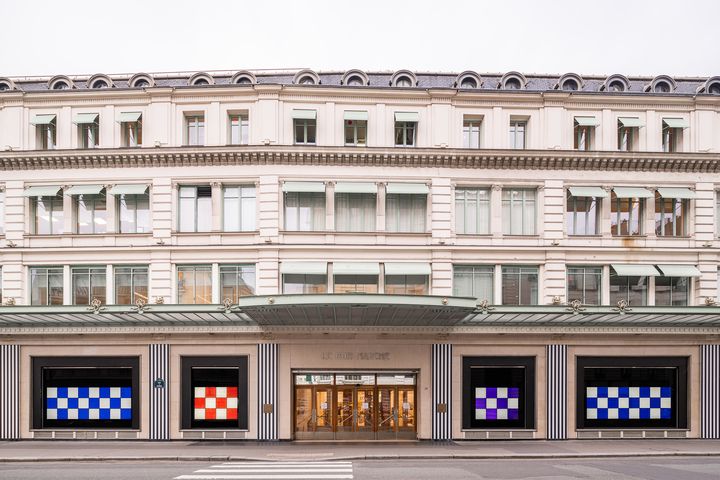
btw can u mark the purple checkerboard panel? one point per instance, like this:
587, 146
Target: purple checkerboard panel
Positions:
497, 403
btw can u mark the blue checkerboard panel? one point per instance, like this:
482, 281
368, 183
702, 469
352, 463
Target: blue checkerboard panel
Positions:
628, 403
88, 403
497, 403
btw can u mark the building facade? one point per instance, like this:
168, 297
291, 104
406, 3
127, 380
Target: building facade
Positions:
344, 256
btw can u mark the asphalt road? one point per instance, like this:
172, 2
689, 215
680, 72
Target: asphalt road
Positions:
669, 468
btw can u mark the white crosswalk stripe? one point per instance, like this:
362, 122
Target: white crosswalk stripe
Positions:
274, 471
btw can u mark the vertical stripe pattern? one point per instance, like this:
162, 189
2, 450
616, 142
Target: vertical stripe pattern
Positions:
9, 392
441, 391
556, 392
710, 392
159, 404
267, 391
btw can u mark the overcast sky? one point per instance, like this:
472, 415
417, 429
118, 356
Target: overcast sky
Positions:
634, 37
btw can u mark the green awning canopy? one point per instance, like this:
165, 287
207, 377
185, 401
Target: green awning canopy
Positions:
303, 268
304, 187
631, 122
84, 190
635, 270
407, 268
407, 188
676, 122
587, 121
632, 192
675, 192
129, 117
82, 118
298, 114
679, 270
356, 268
356, 115
598, 192
129, 189
45, 191
407, 117
355, 187
44, 119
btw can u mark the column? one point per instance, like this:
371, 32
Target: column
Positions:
710, 392
441, 391
9, 392
556, 392
159, 399
267, 391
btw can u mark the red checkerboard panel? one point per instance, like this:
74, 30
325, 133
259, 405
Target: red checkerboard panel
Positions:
216, 403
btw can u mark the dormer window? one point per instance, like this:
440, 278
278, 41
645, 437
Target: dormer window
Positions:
4, 86
140, 80
616, 86
141, 83
570, 85
99, 81
714, 89
200, 79
616, 83
662, 87
100, 84
403, 82
307, 80
355, 81
403, 79
512, 84
661, 84
243, 78
306, 77
60, 86
513, 81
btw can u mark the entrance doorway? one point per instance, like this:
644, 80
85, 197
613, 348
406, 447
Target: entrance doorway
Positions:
355, 406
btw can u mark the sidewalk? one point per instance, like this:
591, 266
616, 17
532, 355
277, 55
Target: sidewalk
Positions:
63, 451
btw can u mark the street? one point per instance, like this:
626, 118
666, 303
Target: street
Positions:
668, 468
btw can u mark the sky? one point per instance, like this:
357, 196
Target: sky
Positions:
633, 37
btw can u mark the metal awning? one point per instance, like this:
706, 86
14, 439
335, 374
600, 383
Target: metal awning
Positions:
632, 192
359, 115
298, 114
407, 268
355, 187
631, 122
84, 190
304, 268
587, 121
675, 192
356, 268
82, 118
129, 117
407, 188
407, 117
129, 189
676, 122
679, 270
635, 270
304, 187
597, 192
43, 119
44, 191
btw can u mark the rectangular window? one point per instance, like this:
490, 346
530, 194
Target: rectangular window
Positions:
47, 135
194, 284
304, 283
626, 215
355, 212
239, 208
405, 134
134, 213
406, 213
584, 284
519, 212
305, 211
407, 284
131, 285
132, 133
631, 289
195, 130
471, 132
626, 138
582, 215
239, 129
520, 285
89, 135
584, 137
474, 281
46, 285
670, 138
672, 291
195, 209
356, 284
670, 216
2, 212
48, 214
305, 131
88, 283
356, 133
91, 213
518, 131
236, 281
472, 211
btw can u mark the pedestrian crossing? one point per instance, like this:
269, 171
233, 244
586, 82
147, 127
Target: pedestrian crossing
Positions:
286, 470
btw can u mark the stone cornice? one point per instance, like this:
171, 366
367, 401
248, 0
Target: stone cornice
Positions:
368, 157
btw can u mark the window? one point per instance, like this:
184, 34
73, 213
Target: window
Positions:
131, 285
403, 82
195, 130
627, 134
88, 283
520, 285
670, 216
305, 211
584, 133
48, 214
519, 211
195, 208
584, 283
474, 281
134, 213
46, 285
471, 132
632, 289
356, 284
2, 212
518, 130
239, 129
91, 213
582, 215
236, 281
194, 284
406, 284
355, 212
46, 134
672, 134
406, 213
472, 211
405, 134
304, 283
131, 126
239, 208
89, 133
672, 291
356, 133
305, 131
626, 215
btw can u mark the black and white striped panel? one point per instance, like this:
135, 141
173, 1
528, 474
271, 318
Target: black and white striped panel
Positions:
267, 391
9, 392
159, 397
441, 391
710, 392
556, 392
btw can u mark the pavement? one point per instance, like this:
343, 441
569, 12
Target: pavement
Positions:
219, 451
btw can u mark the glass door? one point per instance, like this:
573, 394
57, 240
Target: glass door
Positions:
303, 412
406, 412
365, 418
345, 412
323, 413
387, 413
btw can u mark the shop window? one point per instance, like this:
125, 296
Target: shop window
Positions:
632, 289
236, 281
520, 285
498, 393
631, 392
304, 283
88, 283
194, 284
407, 284
46, 285
214, 392
672, 291
131, 285
356, 284
85, 392
472, 211
583, 283
474, 281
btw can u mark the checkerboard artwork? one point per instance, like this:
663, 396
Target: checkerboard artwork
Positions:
497, 403
628, 403
88, 403
216, 403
